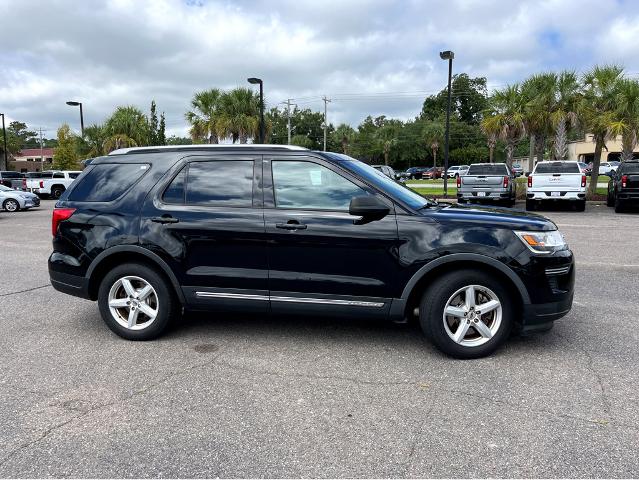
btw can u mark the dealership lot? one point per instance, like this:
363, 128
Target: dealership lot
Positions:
280, 397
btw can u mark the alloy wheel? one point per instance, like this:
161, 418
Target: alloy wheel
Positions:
11, 206
133, 303
472, 315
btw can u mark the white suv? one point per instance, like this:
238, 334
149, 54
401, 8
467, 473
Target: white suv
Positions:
457, 171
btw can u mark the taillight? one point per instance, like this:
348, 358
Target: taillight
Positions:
59, 215
459, 182
41, 184
529, 181
505, 182
624, 181
583, 180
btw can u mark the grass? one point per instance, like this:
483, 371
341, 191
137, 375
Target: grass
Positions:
452, 191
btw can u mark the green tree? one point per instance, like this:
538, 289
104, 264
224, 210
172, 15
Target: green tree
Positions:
239, 115
507, 118
627, 123
204, 115
434, 137
302, 141
598, 110
153, 125
92, 144
175, 140
538, 95
129, 125
65, 157
565, 112
161, 140
469, 99
343, 136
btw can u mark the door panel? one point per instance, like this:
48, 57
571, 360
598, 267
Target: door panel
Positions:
214, 240
321, 257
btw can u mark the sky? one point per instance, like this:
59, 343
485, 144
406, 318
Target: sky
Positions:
375, 57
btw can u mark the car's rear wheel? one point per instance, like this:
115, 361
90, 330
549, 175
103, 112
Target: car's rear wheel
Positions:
11, 205
580, 206
619, 206
57, 192
467, 313
609, 200
136, 302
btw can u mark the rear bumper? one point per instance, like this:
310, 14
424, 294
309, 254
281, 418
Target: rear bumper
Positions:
70, 284
488, 195
563, 195
628, 196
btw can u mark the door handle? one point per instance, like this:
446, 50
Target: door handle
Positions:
291, 225
165, 219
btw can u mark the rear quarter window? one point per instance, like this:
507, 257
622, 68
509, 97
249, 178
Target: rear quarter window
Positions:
487, 170
557, 167
107, 181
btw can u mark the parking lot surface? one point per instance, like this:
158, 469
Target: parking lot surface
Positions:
287, 397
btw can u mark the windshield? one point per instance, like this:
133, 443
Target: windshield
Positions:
381, 181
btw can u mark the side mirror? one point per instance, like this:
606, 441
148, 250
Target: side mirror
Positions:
369, 207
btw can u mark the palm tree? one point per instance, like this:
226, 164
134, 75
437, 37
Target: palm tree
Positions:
597, 110
507, 120
344, 135
94, 138
433, 134
564, 115
539, 97
239, 116
130, 122
118, 140
204, 116
627, 123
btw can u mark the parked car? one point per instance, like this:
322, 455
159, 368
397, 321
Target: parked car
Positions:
56, 185
517, 170
585, 168
492, 182
556, 181
11, 179
415, 173
386, 170
282, 229
623, 187
433, 173
457, 170
31, 180
13, 200
608, 167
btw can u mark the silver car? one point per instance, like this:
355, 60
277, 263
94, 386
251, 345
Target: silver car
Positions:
14, 200
487, 182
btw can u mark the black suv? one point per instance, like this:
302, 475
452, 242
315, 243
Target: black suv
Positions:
623, 187
148, 232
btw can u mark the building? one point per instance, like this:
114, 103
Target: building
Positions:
32, 160
584, 150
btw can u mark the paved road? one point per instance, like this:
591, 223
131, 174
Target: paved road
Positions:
252, 397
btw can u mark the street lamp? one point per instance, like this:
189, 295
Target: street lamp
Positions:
447, 55
255, 81
75, 104
4, 135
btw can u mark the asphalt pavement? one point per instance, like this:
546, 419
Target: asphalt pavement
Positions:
230, 396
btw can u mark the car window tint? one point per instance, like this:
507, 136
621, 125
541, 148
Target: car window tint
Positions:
220, 183
58, 175
74, 175
629, 167
174, 193
311, 186
487, 170
107, 181
557, 167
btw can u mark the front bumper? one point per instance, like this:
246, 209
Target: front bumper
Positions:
540, 316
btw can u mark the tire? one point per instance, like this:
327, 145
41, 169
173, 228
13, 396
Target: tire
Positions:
619, 207
462, 201
609, 201
530, 205
450, 290
11, 205
57, 192
161, 300
580, 206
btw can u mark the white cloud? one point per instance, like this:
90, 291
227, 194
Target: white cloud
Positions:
109, 53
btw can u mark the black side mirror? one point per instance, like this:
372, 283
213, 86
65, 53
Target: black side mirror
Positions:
369, 207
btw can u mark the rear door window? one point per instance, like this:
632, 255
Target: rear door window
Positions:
107, 181
488, 170
557, 167
225, 183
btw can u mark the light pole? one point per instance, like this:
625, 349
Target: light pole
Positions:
4, 135
447, 55
259, 81
75, 104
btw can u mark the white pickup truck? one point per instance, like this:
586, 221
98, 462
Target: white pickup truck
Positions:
556, 181
54, 185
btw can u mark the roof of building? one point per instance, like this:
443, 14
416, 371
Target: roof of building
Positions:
35, 152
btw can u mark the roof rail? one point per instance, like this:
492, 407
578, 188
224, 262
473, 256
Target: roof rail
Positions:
205, 146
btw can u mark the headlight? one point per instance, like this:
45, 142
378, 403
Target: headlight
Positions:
543, 242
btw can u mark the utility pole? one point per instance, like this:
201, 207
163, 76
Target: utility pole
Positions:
41, 152
288, 118
326, 100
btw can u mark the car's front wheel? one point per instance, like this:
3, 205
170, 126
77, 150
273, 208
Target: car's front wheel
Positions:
136, 302
11, 205
467, 313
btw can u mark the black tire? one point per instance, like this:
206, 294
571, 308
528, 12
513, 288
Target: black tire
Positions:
530, 205
167, 304
462, 201
580, 206
434, 301
57, 192
609, 201
619, 206
11, 205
